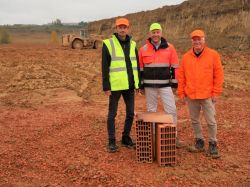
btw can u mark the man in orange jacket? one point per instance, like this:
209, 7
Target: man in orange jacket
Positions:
200, 79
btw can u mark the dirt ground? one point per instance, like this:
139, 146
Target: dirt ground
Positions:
53, 126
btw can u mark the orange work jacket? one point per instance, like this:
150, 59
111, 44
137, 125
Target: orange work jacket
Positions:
158, 66
200, 77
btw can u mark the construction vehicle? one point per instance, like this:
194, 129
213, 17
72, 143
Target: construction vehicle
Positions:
81, 41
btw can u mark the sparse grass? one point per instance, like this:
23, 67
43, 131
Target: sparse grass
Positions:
4, 36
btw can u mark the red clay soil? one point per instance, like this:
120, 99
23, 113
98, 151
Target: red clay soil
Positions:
53, 128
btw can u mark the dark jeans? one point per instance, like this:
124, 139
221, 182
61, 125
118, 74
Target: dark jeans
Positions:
128, 97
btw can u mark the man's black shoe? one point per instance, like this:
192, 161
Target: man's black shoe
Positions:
112, 147
127, 141
198, 147
212, 150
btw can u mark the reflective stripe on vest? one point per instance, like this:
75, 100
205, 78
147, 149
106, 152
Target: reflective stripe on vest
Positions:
118, 76
175, 65
121, 69
174, 80
146, 81
164, 64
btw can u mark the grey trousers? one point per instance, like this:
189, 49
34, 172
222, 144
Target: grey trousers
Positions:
167, 98
207, 106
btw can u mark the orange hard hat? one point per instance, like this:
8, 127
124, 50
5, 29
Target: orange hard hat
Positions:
122, 21
198, 32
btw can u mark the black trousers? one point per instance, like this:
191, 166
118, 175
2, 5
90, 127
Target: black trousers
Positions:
128, 97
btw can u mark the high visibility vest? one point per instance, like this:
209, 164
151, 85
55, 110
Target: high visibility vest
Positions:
118, 76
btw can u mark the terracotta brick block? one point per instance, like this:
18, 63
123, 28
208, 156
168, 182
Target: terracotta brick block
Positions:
166, 144
144, 141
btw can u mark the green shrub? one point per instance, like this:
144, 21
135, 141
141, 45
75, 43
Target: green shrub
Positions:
4, 36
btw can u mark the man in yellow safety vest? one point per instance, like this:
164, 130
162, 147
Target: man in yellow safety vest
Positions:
120, 77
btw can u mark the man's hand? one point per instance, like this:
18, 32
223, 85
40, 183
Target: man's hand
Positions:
214, 99
107, 93
174, 90
183, 100
139, 91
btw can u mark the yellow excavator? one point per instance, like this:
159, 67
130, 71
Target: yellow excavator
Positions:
82, 41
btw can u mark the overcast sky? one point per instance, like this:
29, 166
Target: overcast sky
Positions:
45, 11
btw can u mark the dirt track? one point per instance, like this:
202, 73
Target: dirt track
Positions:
53, 126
